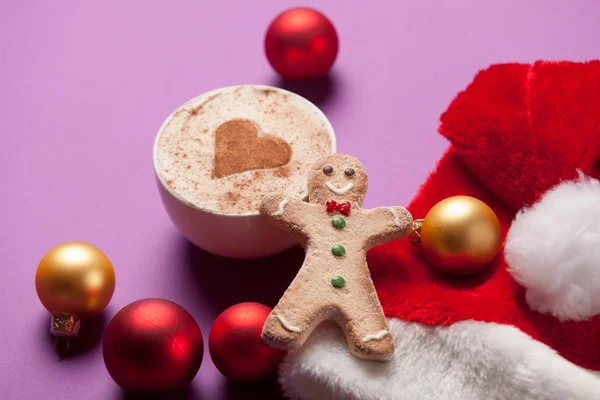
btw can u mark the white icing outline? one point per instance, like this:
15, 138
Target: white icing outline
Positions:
282, 204
287, 326
343, 190
396, 216
377, 336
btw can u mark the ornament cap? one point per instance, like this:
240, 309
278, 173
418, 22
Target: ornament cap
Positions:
415, 236
64, 325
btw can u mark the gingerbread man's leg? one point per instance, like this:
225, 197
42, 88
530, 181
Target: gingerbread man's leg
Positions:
288, 328
367, 331
295, 316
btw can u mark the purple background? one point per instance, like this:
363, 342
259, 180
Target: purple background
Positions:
84, 86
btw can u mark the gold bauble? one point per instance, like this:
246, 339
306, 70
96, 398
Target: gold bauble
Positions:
460, 235
75, 279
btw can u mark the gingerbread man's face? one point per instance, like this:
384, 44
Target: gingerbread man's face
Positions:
337, 177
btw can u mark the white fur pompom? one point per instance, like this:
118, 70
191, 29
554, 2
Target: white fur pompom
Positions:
553, 250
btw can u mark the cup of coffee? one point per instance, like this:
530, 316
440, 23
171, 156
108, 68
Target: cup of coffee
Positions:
219, 154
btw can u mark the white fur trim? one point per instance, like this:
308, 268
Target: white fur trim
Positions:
553, 250
466, 361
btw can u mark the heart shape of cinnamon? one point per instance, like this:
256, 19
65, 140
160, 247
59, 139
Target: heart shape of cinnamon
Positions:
238, 148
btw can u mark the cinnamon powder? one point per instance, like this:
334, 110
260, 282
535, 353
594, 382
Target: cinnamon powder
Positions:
283, 172
238, 148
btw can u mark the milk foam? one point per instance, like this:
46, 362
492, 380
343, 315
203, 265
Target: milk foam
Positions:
184, 151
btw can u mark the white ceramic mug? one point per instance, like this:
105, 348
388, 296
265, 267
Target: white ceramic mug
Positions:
242, 236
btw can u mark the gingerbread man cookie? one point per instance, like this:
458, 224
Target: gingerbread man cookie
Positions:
334, 282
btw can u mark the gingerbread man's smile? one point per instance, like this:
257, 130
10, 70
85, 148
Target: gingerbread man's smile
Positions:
342, 190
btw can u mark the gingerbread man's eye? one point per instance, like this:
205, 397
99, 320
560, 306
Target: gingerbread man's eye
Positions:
328, 169
349, 171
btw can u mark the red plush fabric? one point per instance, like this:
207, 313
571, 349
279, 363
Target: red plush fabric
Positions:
516, 131
523, 128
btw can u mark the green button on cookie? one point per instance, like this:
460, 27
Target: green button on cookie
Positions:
338, 282
338, 222
338, 250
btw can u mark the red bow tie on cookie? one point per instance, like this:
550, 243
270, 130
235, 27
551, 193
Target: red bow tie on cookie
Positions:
343, 208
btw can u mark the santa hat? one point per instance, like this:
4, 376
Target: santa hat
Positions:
525, 139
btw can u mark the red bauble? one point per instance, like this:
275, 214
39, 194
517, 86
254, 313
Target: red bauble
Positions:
301, 43
152, 346
236, 347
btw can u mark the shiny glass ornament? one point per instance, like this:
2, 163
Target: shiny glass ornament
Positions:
460, 235
74, 280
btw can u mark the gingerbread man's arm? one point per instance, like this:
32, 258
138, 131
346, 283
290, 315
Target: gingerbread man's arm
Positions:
286, 213
385, 224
